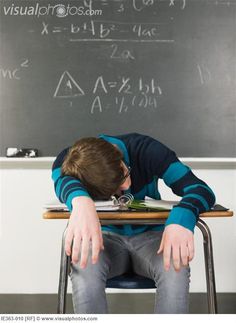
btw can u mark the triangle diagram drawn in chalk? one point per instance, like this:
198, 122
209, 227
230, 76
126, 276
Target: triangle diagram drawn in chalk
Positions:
67, 87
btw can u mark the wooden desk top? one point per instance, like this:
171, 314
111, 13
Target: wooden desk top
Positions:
118, 215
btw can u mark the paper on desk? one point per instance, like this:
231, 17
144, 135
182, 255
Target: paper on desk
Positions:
149, 203
109, 205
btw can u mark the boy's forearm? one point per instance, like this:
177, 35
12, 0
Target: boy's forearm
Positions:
81, 199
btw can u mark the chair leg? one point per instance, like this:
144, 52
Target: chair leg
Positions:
63, 279
209, 267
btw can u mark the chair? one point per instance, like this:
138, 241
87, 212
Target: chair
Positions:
134, 281
130, 281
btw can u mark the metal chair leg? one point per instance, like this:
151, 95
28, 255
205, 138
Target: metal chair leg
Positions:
63, 279
209, 267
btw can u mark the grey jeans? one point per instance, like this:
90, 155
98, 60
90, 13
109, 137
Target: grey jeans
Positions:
120, 253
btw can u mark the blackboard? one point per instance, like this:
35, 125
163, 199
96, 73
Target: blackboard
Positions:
165, 68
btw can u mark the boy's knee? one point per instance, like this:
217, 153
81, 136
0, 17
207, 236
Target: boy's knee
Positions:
174, 280
92, 272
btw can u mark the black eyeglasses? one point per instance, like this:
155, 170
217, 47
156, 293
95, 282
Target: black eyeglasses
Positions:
127, 174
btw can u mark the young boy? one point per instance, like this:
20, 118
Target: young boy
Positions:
96, 168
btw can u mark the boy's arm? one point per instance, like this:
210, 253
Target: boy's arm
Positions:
66, 187
84, 225
197, 197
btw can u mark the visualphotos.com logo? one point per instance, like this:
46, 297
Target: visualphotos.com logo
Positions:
59, 10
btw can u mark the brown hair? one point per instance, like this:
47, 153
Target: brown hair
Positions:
97, 164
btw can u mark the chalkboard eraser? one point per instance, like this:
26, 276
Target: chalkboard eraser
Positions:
21, 152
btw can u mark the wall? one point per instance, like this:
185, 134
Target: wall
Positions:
30, 246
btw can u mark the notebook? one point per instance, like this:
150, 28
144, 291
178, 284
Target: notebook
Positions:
148, 203
109, 205
124, 202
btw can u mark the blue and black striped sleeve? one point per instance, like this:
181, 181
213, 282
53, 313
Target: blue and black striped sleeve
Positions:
66, 187
197, 196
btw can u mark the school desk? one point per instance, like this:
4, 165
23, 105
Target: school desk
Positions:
143, 217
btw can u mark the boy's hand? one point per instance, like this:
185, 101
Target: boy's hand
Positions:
177, 242
84, 226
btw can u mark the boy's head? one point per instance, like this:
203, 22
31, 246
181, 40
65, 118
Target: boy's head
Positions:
98, 165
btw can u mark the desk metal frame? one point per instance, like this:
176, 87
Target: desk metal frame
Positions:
208, 256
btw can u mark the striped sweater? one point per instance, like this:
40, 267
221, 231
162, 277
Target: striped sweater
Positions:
150, 160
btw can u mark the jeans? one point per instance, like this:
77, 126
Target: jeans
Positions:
121, 253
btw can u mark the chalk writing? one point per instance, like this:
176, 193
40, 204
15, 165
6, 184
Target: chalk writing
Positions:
146, 88
124, 85
124, 54
96, 104
124, 92
141, 31
67, 87
25, 63
140, 5
45, 29
10, 74
204, 73
95, 30
144, 3
124, 103
223, 3
14, 73
100, 84
121, 6
117, 30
